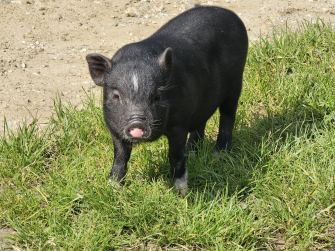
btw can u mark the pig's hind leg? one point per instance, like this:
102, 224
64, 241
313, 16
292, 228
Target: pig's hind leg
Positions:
226, 125
195, 138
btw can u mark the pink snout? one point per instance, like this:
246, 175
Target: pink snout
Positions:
136, 132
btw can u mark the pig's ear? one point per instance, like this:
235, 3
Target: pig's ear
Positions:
165, 59
98, 66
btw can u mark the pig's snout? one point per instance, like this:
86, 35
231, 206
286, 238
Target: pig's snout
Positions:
136, 128
136, 132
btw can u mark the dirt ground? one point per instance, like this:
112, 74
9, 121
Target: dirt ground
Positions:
43, 43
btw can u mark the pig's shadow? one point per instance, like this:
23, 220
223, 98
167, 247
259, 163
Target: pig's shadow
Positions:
235, 169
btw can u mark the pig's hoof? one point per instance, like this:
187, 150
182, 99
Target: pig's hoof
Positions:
192, 153
113, 183
219, 153
216, 153
181, 185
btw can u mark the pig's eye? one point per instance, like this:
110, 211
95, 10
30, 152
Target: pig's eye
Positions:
114, 97
157, 97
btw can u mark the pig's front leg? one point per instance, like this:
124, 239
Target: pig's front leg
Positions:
177, 141
122, 150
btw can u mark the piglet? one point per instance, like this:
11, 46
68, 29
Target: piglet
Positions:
171, 83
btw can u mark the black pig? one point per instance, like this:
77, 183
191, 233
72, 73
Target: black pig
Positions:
171, 83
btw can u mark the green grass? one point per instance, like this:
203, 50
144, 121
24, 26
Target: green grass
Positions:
274, 190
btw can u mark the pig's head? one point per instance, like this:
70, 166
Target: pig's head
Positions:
134, 95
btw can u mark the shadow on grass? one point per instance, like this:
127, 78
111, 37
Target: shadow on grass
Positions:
233, 171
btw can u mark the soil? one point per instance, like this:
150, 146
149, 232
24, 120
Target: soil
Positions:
4, 242
43, 43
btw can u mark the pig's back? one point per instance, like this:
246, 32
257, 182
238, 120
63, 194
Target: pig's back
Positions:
209, 45
202, 25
